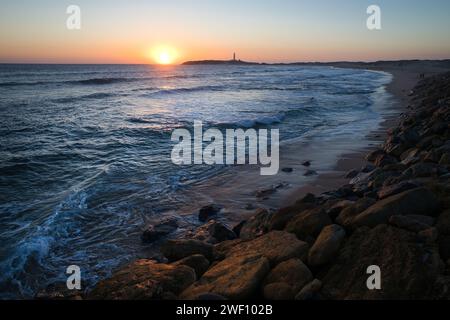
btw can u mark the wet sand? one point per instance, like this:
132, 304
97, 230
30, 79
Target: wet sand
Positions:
405, 78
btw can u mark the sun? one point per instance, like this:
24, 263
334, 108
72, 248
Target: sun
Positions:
164, 58
164, 55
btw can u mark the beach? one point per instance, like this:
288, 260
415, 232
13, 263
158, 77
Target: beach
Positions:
393, 215
190, 222
405, 78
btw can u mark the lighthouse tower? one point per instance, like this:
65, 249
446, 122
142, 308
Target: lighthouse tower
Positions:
234, 56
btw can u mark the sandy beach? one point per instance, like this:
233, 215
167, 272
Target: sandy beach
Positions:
405, 77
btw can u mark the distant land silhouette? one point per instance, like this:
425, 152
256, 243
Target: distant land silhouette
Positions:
343, 64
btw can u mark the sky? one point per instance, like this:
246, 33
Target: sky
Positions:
137, 31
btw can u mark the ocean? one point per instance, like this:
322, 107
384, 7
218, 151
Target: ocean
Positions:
85, 150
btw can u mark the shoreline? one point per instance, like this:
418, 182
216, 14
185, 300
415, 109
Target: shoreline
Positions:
254, 226
395, 215
400, 87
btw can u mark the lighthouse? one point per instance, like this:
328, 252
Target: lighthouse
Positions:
234, 56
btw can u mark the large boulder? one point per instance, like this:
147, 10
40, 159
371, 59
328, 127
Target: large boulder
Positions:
208, 212
278, 291
281, 217
310, 291
175, 250
197, 262
256, 226
221, 232
235, 277
308, 224
408, 269
416, 201
443, 222
144, 279
326, 246
293, 273
158, 230
276, 246
345, 218
411, 222
443, 227
392, 190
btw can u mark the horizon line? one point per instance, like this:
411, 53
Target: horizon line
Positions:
217, 60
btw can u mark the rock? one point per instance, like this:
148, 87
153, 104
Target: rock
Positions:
208, 211
237, 228
175, 250
443, 222
308, 224
287, 170
220, 250
351, 174
395, 167
197, 262
408, 269
368, 168
445, 159
326, 246
235, 277
410, 136
395, 149
429, 236
431, 156
280, 218
309, 173
374, 155
277, 246
345, 192
307, 198
336, 208
58, 291
423, 170
293, 273
256, 226
309, 291
379, 178
415, 201
306, 163
221, 232
347, 215
414, 223
278, 291
159, 230
410, 156
144, 279
388, 191
384, 159
444, 246
263, 193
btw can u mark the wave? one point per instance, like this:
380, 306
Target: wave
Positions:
90, 81
93, 96
193, 89
103, 81
17, 84
139, 120
250, 123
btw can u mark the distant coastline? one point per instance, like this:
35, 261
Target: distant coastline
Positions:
342, 64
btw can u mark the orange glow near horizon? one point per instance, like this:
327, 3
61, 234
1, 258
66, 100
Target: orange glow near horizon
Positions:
164, 55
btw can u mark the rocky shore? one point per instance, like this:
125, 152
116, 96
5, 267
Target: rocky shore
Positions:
394, 214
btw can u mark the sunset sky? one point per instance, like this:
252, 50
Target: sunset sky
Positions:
129, 31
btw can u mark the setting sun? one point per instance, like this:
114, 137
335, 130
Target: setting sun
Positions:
164, 55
